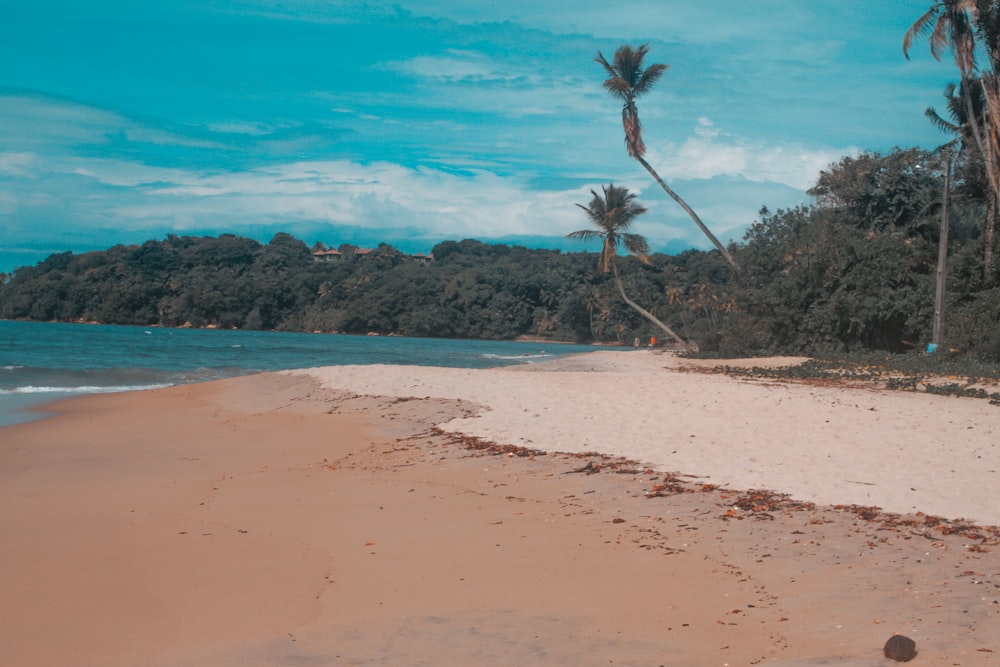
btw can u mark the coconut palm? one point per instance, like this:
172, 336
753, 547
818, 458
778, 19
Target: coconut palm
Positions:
629, 78
611, 216
960, 125
950, 25
961, 26
958, 122
952, 28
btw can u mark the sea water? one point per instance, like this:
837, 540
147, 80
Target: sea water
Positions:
42, 361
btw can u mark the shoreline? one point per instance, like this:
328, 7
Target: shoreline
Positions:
282, 522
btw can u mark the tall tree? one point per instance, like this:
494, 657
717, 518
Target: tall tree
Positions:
966, 27
628, 78
961, 125
611, 216
987, 17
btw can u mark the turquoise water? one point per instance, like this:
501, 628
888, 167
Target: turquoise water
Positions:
42, 361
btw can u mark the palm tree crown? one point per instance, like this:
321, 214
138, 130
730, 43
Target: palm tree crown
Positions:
612, 215
627, 79
950, 24
960, 124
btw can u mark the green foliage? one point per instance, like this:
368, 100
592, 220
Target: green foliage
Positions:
470, 290
852, 274
882, 193
856, 271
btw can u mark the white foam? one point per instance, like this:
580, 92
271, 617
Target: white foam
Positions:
84, 389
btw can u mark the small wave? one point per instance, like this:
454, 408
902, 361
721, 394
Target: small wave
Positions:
11, 368
514, 357
85, 389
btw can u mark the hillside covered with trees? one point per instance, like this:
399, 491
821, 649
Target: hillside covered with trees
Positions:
469, 290
853, 271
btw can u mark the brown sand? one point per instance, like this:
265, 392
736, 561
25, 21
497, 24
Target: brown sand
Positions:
269, 521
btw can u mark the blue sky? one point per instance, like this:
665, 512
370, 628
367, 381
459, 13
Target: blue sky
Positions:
420, 121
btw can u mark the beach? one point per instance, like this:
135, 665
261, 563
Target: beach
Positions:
609, 508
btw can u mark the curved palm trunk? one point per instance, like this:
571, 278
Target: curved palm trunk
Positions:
694, 216
645, 313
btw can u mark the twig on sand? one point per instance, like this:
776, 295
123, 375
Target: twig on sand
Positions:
590, 469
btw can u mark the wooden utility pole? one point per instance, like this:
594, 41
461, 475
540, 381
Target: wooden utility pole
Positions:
937, 337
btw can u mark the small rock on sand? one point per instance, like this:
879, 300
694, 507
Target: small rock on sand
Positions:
900, 648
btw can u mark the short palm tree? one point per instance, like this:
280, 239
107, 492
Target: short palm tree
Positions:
629, 78
611, 216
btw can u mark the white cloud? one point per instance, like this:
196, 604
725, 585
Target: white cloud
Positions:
706, 128
711, 152
457, 65
251, 128
35, 123
382, 194
20, 164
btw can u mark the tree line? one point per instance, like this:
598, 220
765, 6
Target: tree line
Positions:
470, 290
853, 271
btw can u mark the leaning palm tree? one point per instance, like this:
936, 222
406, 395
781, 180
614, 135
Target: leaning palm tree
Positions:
629, 78
612, 215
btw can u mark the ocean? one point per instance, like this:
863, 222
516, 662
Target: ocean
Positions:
42, 361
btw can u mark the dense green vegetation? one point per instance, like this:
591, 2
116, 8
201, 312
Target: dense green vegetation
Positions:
470, 290
856, 270
853, 272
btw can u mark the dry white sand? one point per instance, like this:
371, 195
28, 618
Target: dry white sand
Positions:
902, 452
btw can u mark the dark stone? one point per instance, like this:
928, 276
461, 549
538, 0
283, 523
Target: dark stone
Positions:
900, 648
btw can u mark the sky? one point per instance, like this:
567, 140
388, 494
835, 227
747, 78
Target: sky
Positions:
419, 121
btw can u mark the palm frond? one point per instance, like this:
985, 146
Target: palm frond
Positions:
940, 123
921, 26
585, 235
948, 25
636, 245
604, 62
962, 40
650, 76
618, 87
628, 62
